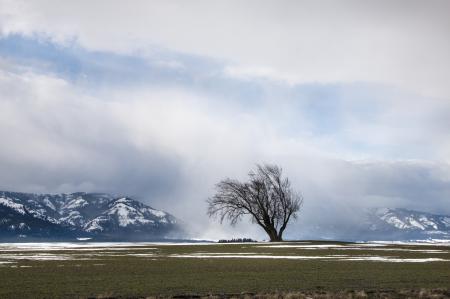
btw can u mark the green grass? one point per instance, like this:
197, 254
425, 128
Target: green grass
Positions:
117, 274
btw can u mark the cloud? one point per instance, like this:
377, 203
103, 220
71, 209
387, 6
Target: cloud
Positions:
403, 43
162, 100
56, 136
169, 146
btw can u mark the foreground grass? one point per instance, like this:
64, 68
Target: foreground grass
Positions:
141, 272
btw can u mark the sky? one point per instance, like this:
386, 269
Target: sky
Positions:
160, 100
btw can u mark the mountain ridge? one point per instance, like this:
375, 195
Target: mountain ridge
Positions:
408, 224
103, 217
380, 224
99, 216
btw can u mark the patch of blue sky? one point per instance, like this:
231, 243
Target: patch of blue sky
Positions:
39, 53
321, 104
326, 107
104, 69
335, 106
77, 64
164, 67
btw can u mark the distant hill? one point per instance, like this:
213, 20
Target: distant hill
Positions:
380, 224
403, 224
104, 217
27, 216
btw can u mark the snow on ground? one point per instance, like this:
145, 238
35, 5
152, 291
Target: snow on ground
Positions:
395, 260
225, 253
395, 249
76, 203
301, 246
432, 242
259, 256
307, 257
320, 246
76, 249
60, 246
157, 213
95, 224
11, 204
36, 257
14, 252
49, 203
127, 214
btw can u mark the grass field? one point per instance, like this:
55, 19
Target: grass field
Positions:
144, 269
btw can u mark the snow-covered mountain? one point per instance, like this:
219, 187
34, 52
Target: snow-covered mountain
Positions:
403, 224
82, 215
378, 224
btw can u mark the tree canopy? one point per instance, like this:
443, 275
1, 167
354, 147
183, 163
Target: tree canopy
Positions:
267, 197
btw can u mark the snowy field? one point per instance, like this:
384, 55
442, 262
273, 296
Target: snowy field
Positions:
88, 269
12, 253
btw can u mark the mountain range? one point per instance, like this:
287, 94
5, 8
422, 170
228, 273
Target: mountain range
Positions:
404, 224
96, 216
105, 217
379, 224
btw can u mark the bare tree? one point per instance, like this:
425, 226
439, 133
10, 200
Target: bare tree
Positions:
266, 197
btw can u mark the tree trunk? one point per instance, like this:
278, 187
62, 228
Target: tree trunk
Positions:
280, 236
276, 239
274, 236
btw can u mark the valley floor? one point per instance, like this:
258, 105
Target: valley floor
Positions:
288, 269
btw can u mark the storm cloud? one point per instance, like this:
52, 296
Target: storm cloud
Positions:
160, 101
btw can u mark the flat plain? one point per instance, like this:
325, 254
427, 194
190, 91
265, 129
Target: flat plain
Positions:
81, 270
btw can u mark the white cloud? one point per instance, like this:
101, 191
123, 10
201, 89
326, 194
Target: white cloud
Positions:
173, 142
401, 43
170, 146
260, 73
